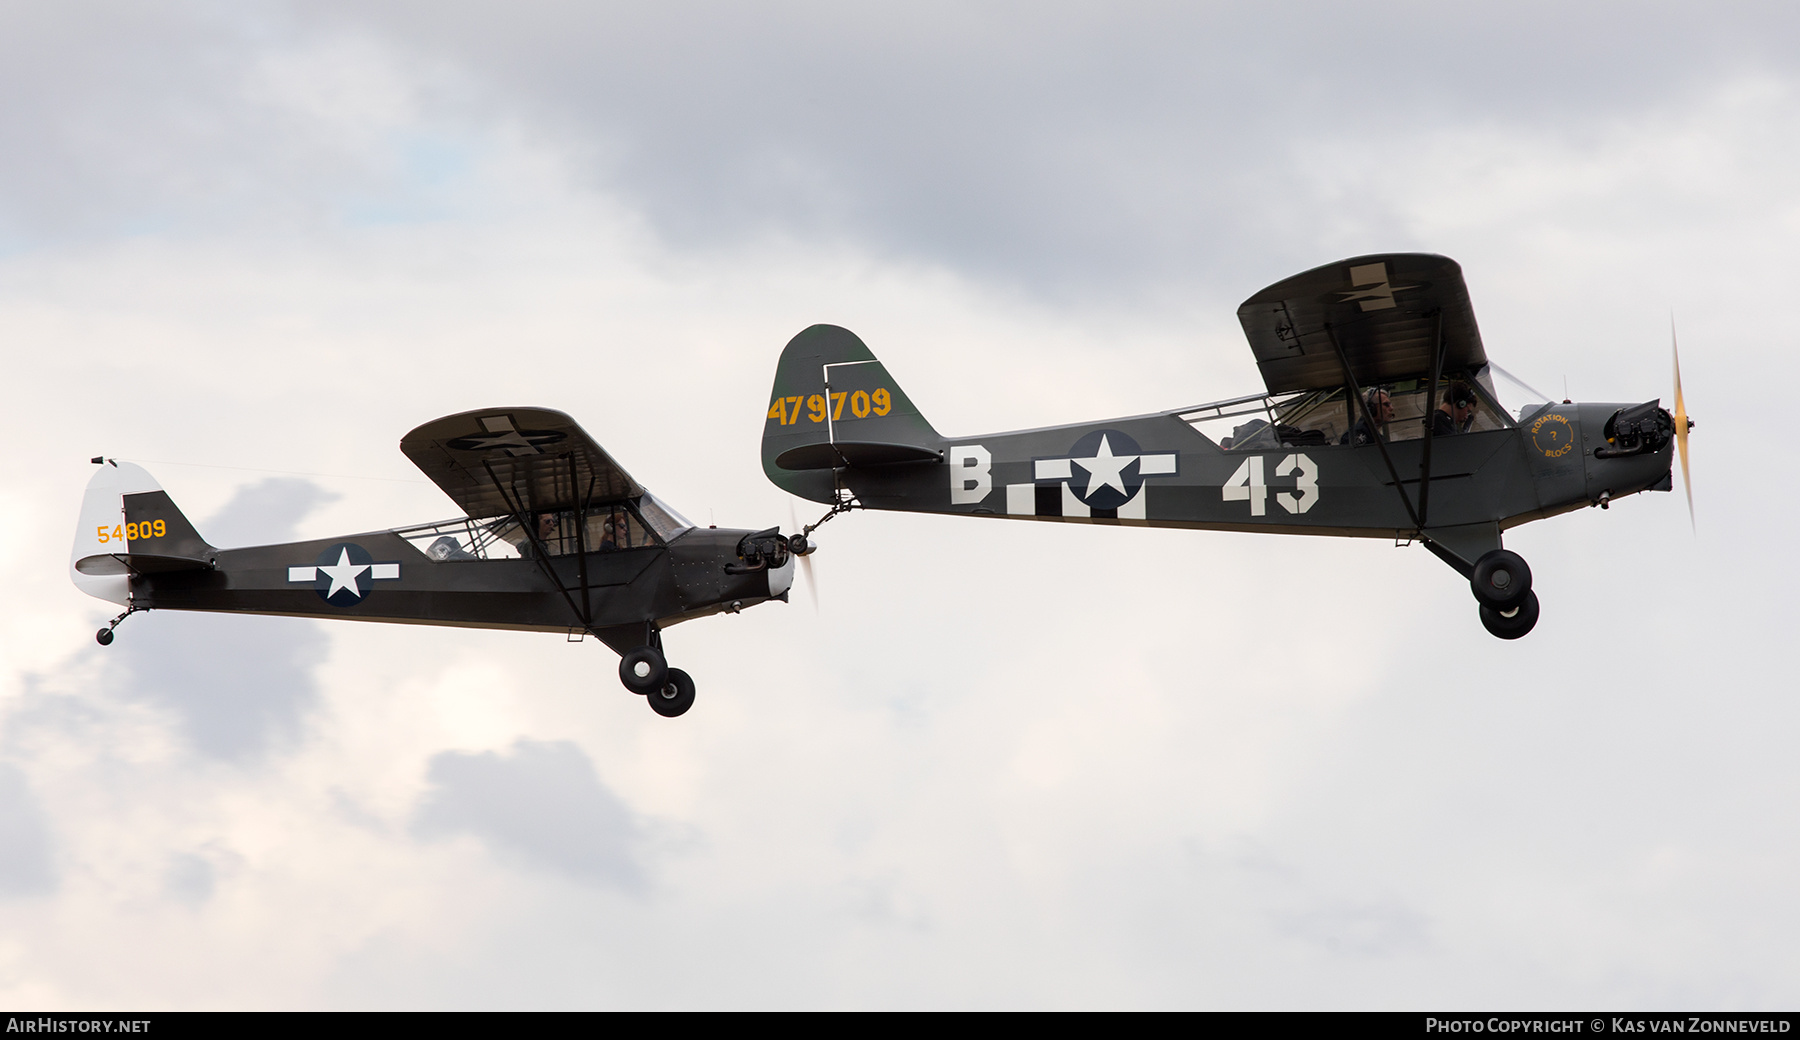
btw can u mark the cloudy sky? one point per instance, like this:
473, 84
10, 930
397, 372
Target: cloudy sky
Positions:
1003, 764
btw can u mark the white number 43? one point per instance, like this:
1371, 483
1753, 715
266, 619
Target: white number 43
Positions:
1249, 485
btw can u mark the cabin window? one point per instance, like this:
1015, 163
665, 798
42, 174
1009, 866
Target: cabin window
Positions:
1319, 418
606, 530
1471, 410
1316, 418
464, 538
1327, 417
505, 538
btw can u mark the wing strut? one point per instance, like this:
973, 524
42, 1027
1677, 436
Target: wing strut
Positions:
542, 552
1363, 406
1437, 373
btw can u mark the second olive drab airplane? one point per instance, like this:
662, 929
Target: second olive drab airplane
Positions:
556, 537
1381, 419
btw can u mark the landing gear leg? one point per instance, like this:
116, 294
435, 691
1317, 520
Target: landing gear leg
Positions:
675, 697
105, 636
1501, 582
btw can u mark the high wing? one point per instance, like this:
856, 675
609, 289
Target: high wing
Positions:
1383, 310
498, 461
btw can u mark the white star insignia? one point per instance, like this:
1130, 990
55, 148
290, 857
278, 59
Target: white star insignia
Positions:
343, 575
1105, 469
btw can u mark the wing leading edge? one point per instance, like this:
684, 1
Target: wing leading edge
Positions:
1383, 309
496, 461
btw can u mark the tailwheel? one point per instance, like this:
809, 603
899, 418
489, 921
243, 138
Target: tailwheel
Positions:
1512, 623
105, 636
643, 670
675, 697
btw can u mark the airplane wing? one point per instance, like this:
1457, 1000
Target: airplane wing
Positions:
1383, 310
496, 461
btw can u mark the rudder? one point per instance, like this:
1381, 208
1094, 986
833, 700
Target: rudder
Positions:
129, 524
834, 406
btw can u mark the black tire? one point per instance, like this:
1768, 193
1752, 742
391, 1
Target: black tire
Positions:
675, 697
643, 669
104, 637
799, 545
1502, 580
1523, 618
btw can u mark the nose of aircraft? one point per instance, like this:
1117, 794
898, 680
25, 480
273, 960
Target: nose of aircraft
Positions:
1629, 450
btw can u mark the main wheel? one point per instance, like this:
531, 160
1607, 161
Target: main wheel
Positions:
675, 697
643, 670
1511, 624
799, 545
104, 637
1501, 580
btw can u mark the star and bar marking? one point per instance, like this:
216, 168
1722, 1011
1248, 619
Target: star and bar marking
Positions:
1110, 482
336, 580
1371, 289
501, 435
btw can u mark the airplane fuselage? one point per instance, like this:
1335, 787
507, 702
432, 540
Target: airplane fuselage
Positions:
380, 576
1158, 471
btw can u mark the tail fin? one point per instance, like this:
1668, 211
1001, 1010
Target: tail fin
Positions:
833, 407
129, 525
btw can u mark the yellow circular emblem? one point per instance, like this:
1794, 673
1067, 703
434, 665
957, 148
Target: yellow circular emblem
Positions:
1552, 436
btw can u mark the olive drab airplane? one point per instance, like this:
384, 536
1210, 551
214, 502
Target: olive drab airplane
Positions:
1381, 419
556, 537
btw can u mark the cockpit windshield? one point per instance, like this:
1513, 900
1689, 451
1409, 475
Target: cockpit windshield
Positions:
664, 520
1514, 393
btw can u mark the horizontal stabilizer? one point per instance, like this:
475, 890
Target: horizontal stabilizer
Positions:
138, 563
854, 453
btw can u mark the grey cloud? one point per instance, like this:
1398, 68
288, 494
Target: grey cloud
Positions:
265, 512
1063, 148
190, 879
124, 119
1072, 146
24, 837
1350, 929
240, 686
541, 803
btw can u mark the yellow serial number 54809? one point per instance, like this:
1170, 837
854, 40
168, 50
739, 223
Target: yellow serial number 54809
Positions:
132, 532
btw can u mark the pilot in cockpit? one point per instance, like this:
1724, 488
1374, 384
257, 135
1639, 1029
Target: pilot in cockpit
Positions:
1456, 413
546, 530
1379, 407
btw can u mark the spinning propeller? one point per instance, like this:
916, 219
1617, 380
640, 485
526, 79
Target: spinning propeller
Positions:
805, 558
1682, 425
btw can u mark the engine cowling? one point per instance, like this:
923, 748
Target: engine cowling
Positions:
760, 550
1641, 429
